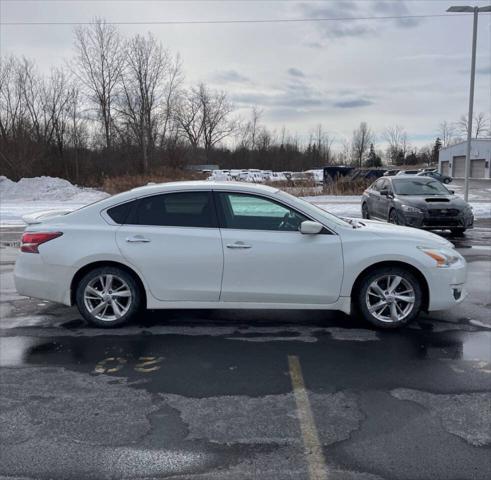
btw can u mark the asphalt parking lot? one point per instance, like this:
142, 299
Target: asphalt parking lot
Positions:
246, 395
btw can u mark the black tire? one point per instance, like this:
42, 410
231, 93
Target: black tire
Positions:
458, 232
364, 211
394, 217
447, 181
360, 296
135, 300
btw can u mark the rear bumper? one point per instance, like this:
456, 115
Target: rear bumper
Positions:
34, 278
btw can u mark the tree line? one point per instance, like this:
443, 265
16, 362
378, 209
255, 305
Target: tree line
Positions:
120, 106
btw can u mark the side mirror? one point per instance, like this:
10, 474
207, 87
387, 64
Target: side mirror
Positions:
451, 191
310, 228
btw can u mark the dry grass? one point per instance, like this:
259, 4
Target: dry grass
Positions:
126, 182
302, 188
341, 186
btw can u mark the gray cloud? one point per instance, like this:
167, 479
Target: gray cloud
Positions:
228, 76
484, 70
355, 28
359, 102
300, 96
391, 8
295, 72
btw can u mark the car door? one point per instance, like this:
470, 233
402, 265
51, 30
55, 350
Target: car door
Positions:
383, 200
374, 197
174, 241
266, 258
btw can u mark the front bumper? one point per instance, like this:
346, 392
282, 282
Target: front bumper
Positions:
447, 286
438, 222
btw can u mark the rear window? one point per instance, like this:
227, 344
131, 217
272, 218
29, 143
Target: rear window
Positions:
186, 209
120, 213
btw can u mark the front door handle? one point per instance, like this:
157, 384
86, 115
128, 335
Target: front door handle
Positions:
238, 245
137, 239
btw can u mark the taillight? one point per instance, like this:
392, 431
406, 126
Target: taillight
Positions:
31, 240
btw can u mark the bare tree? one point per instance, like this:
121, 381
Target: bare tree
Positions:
248, 131
362, 138
398, 144
189, 117
11, 104
324, 144
98, 63
143, 97
217, 125
173, 84
204, 117
447, 133
480, 125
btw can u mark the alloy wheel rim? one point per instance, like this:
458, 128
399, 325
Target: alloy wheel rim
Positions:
107, 297
390, 298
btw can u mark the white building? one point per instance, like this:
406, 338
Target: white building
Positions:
451, 160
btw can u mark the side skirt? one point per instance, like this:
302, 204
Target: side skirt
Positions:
343, 304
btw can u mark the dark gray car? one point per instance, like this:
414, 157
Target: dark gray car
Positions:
416, 201
437, 176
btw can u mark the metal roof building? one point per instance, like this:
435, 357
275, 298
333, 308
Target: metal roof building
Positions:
451, 160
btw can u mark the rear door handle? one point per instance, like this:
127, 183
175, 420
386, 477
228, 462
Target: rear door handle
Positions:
137, 239
238, 245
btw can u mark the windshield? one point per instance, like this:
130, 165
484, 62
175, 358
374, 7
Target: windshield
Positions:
307, 206
416, 186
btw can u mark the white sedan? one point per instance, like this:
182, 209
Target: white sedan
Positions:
233, 245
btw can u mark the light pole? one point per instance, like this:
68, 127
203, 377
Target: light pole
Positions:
475, 10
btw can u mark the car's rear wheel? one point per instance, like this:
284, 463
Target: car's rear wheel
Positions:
364, 211
108, 297
446, 180
389, 297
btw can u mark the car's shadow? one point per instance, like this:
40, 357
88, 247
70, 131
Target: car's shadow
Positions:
243, 318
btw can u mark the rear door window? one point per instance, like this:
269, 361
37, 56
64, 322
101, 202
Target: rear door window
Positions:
183, 209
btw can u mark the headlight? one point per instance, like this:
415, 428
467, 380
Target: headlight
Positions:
444, 257
409, 209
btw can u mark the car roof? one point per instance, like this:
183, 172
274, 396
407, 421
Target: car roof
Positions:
203, 185
411, 177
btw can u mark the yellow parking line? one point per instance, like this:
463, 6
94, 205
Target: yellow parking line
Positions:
313, 449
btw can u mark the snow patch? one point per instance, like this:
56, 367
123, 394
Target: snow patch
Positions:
30, 195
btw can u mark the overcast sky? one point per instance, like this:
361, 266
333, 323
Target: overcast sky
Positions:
412, 72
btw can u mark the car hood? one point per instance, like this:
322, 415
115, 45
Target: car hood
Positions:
386, 230
429, 201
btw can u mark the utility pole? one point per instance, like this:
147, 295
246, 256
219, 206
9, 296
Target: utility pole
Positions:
475, 11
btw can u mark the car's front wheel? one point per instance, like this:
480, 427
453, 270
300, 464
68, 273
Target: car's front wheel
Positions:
458, 232
389, 297
395, 218
447, 180
108, 296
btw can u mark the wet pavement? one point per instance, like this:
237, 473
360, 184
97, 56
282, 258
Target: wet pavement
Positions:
246, 395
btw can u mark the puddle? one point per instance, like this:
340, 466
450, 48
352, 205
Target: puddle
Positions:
14, 351
477, 347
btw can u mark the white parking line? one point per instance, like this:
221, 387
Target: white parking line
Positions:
313, 448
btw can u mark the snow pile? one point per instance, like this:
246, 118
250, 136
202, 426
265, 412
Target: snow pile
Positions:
30, 195
44, 189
